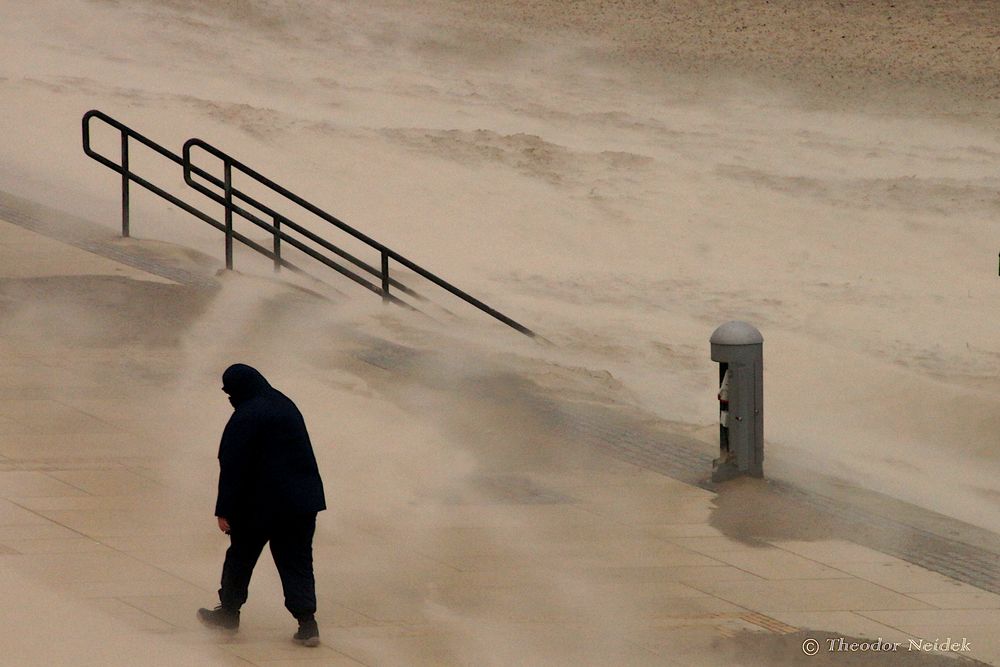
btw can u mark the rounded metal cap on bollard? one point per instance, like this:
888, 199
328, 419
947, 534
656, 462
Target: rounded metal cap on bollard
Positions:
736, 333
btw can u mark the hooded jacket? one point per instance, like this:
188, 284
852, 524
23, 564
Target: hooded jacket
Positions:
266, 463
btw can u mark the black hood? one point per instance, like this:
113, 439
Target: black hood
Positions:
242, 383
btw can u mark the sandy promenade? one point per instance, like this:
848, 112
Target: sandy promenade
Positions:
622, 177
469, 526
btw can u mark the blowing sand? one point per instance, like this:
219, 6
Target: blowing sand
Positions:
622, 177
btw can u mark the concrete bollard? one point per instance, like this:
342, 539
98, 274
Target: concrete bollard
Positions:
739, 349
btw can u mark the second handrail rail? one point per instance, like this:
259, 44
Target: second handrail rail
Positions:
230, 163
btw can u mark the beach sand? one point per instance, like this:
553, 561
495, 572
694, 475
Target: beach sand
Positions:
622, 177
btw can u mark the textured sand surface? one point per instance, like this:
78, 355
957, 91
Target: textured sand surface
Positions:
925, 56
622, 177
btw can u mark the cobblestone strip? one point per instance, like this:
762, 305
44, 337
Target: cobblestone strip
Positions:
635, 442
688, 460
975, 565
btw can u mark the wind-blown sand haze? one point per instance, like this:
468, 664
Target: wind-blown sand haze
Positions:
622, 177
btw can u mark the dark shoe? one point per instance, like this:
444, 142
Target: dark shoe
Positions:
226, 620
308, 634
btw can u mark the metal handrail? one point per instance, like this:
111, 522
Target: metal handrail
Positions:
130, 176
278, 224
226, 199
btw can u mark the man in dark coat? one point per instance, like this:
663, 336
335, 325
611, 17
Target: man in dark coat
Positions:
269, 491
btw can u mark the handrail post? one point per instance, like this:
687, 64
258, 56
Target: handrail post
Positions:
125, 182
277, 244
385, 277
228, 168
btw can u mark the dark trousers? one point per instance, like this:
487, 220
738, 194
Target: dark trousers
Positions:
291, 547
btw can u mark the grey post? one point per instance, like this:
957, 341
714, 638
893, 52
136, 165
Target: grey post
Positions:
125, 181
228, 184
385, 277
739, 349
277, 243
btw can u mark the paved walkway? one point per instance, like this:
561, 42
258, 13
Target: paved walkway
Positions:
107, 545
